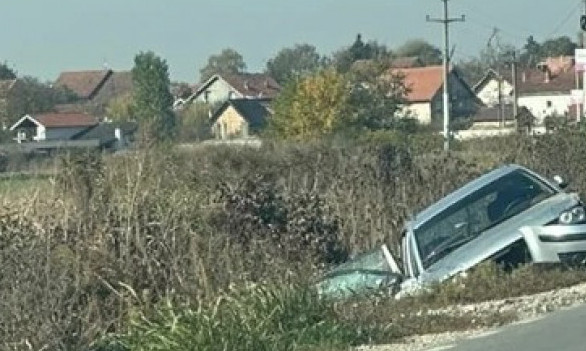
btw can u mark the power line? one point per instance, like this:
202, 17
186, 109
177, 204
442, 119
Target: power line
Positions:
489, 17
566, 19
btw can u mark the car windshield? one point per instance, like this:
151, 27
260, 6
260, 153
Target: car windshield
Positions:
477, 212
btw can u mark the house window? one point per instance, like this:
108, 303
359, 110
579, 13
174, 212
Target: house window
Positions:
548, 104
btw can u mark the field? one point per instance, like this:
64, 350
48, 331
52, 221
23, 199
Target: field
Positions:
215, 248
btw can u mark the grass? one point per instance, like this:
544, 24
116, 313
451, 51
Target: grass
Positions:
146, 244
19, 186
270, 317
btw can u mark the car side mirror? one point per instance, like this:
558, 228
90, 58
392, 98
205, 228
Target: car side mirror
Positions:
561, 182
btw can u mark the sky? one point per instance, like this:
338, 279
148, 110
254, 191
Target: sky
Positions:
42, 38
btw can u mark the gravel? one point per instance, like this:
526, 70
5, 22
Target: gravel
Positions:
525, 307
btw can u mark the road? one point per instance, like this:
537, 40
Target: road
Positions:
563, 330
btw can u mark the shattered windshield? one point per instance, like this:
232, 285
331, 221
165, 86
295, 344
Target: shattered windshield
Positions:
479, 211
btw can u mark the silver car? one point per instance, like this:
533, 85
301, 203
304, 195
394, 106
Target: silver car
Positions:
511, 215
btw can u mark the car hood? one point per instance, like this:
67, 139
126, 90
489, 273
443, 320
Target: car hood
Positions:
498, 238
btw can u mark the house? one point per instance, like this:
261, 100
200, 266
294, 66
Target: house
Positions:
547, 89
55, 130
110, 135
220, 88
487, 89
52, 126
240, 118
490, 117
94, 89
425, 94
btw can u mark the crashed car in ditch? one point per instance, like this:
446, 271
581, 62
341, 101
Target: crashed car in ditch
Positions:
510, 215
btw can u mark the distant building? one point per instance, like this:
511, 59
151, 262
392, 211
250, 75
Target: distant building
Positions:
57, 130
544, 90
94, 89
425, 94
240, 118
487, 89
547, 89
220, 88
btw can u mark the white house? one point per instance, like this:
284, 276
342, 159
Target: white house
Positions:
425, 91
52, 126
547, 91
220, 88
487, 89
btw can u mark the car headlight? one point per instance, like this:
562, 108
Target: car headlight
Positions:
573, 216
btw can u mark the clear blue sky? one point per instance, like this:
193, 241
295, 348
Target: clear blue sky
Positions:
44, 37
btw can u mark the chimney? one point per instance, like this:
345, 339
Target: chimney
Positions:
547, 75
524, 77
246, 85
266, 83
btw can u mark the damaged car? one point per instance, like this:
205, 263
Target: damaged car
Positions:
510, 215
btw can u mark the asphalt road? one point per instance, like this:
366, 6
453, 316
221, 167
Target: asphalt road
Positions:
561, 331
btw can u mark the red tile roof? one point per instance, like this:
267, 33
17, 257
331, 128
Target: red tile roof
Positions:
535, 81
423, 82
60, 120
254, 84
83, 83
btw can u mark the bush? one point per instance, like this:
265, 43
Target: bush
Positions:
117, 235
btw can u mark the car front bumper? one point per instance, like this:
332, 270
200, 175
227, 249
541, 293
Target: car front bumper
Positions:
556, 243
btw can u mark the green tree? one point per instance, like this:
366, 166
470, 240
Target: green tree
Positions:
534, 52
121, 108
531, 54
194, 122
30, 96
346, 57
367, 98
6, 72
294, 63
561, 46
311, 107
375, 99
229, 61
424, 51
153, 101
497, 56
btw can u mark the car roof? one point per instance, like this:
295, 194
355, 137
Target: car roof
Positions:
431, 211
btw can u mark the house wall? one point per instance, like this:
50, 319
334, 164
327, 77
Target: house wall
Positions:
57, 133
489, 94
491, 125
218, 92
421, 111
464, 104
229, 125
538, 105
463, 101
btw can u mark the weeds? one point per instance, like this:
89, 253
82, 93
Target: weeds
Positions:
112, 238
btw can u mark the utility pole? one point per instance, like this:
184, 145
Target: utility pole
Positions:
446, 96
583, 109
515, 79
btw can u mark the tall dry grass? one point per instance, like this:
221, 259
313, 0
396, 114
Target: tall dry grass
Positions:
113, 236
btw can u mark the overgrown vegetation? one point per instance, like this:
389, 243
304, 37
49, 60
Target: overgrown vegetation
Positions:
143, 250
